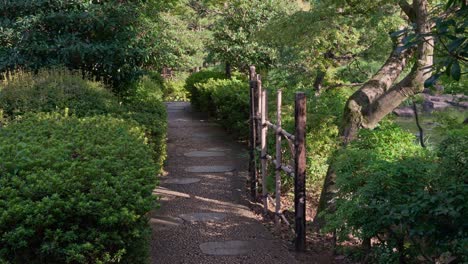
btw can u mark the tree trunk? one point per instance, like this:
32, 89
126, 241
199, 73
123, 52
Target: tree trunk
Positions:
319, 81
228, 70
380, 95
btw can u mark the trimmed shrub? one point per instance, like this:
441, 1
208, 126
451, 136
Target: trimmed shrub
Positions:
52, 90
198, 78
174, 91
56, 90
74, 190
231, 101
228, 101
147, 87
152, 116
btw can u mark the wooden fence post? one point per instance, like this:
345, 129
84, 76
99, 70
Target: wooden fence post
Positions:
263, 141
253, 134
300, 171
258, 94
278, 158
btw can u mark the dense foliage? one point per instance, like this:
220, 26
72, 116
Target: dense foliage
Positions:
408, 198
234, 41
52, 90
56, 90
111, 40
197, 97
74, 190
228, 101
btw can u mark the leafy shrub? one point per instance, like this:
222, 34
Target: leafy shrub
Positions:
51, 90
74, 190
111, 40
198, 78
324, 114
152, 116
231, 100
147, 87
174, 90
228, 101
404, 196
55, 90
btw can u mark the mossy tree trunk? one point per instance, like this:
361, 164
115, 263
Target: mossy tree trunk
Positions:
380, 95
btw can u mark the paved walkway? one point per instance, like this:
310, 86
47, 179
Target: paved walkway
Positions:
203, 216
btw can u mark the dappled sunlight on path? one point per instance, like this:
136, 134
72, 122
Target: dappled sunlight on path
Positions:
204, 217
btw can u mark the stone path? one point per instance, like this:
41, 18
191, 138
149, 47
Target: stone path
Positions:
203, 216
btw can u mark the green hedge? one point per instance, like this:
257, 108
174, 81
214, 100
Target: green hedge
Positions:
152, 116
74, 190
56, 90
51, 90
228, 101
198, 78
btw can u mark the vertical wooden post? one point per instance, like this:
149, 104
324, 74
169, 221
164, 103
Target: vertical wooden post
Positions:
300, 171
264, 150
253, 135
278, 159
259, 106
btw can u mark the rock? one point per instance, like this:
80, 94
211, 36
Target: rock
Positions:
165, 222
404, 111
203, 217
202, 154
181, 181
209, 169
227, 248
429, 106
463, 104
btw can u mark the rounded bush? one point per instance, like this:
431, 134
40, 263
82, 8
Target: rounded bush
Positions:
59, 89
51, 90
192, 82
74, 190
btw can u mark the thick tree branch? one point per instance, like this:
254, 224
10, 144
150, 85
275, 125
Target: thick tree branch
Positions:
408, 10
379, 96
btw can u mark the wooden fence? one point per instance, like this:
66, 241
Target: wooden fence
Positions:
259, 125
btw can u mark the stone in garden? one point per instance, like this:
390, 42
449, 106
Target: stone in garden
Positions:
209, 169
181, 181
202, 154
165, 222
404, 112
207, 135
203, 217
227, 248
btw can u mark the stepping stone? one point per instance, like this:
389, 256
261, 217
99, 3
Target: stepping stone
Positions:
166, 222
218, 149
207, 135
202, 154
227, 248
181, 181
166, 192
203, 217
209, 169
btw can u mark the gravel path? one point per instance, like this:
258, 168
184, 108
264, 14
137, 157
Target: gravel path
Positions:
203, 216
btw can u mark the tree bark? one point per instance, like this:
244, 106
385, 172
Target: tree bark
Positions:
319, 80
228, 70
381, 95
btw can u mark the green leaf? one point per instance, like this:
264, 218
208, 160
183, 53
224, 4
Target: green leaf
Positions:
455, 44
